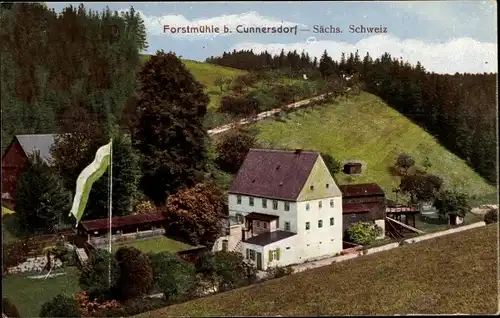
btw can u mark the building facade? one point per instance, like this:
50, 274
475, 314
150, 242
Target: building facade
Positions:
284, 208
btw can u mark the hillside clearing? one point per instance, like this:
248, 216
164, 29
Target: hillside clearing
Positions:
206, 74
456, 273
366, 129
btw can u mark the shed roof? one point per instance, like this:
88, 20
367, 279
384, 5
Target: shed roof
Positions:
269, 237
122, 221
361, 189
261, 216
274, 174
37, 142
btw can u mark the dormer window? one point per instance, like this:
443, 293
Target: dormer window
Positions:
311, 187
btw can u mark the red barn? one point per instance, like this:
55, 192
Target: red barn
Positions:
15, 159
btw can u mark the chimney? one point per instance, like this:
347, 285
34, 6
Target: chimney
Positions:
298, 151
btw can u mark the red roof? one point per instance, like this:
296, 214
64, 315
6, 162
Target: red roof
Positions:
354, 208
362, 189
121, 221
274, 174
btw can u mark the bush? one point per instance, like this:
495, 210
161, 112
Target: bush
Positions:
89, 307
144, 206
60, 306
9, 309
136, 273
363, 233
239, 105
279, 271
175, 277
491, 216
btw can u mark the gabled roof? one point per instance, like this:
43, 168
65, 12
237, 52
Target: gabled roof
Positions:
274, 174
361, 189
37, 142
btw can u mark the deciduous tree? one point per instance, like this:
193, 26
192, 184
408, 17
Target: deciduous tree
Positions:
404, 162
136, 273
452, 202
169, 133
422, 187
331, 163
174, 276
195, 215
233, 148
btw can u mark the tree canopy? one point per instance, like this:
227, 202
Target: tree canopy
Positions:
42, 202
169, 132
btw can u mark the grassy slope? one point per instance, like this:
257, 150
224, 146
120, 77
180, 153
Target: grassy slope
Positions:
366, 129
451, 274
28, 295
206, 74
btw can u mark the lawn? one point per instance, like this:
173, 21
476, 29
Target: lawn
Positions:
365, 128
456, 273
155, 245
28, 295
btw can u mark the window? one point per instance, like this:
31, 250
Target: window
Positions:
250, 201
275, 205
239, 218
327, 185
287, 206
320, 204
287, 226
257, 224
307, 206
332, 222
225, 245
264, 203
320, 223
331, 203
265, 225
311, 187
252, 255
308, 226
238, 199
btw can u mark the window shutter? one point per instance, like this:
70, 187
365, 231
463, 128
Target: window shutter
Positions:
248, 253
270, 255
277, 254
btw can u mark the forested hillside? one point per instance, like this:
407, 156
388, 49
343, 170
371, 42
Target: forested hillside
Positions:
61, 64
459, 110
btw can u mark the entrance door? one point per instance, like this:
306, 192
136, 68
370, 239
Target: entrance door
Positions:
224, 245
259, 261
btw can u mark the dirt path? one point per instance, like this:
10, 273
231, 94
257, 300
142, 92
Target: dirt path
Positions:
261, 116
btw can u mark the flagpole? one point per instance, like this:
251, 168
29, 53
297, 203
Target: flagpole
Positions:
110, 200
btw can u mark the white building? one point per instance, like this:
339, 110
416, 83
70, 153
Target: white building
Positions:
284, 208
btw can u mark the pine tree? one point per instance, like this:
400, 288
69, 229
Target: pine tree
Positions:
42, 203
126, 176
169, 133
